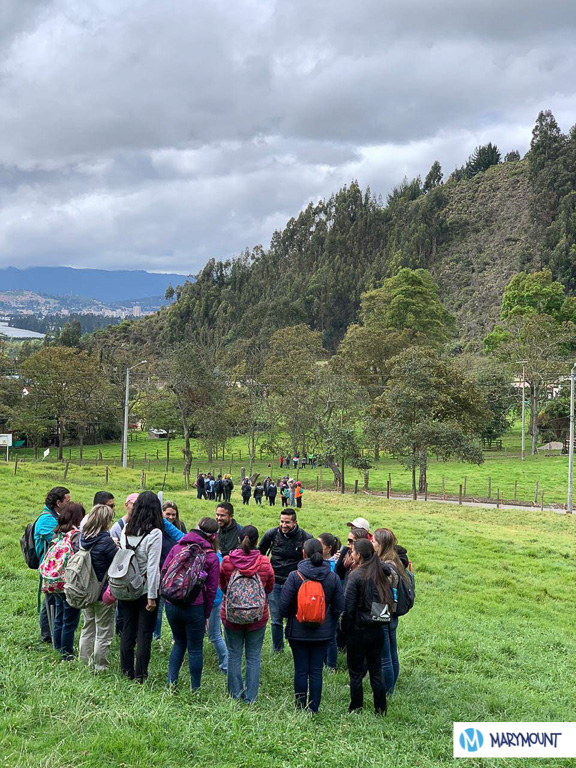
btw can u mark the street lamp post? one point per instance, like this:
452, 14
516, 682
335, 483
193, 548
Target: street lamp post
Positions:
523, 363
571, 444
125, 430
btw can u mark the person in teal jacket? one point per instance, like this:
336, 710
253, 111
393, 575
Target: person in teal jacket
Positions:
43, 535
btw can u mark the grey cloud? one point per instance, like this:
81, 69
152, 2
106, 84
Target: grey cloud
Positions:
143, 134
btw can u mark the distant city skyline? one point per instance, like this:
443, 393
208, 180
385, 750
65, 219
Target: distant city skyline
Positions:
144, 135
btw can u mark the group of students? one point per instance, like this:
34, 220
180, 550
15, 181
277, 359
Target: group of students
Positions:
286, 460
290, 490
222, 573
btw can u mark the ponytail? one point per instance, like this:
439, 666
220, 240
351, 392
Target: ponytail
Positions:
313, 551
248, 539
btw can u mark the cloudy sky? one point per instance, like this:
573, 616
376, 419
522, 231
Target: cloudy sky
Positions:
156, 134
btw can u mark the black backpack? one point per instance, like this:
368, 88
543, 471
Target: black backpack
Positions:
404, 592
27, 544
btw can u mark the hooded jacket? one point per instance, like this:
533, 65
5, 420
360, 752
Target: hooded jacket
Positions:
228, 537
248, 565
285, 550
102, 550
333, 595
207, 595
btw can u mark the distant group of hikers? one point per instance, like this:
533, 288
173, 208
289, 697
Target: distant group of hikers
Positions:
220, 489
123, 575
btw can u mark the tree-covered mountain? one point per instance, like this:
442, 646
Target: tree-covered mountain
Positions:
489, 220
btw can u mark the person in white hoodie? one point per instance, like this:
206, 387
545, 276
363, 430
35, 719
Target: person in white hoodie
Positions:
142, 533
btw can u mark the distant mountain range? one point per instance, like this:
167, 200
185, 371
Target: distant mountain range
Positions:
109, 287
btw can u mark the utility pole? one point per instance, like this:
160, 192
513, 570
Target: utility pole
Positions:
523, 363
571, 444
125, 430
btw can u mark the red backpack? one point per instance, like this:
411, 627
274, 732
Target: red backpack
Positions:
311, 602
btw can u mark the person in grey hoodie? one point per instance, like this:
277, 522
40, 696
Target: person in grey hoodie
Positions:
248, 638
309, 642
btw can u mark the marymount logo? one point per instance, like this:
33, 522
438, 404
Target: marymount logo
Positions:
471, 740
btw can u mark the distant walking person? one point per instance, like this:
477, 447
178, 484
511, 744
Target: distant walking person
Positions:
272, 493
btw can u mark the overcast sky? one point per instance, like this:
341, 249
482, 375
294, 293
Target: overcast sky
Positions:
156, 134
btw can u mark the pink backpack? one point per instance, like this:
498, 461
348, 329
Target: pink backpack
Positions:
55, 561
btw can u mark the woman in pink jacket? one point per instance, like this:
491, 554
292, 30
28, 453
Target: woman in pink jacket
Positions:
246, 579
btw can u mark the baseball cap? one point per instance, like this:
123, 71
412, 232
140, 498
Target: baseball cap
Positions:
360, 522
131, 498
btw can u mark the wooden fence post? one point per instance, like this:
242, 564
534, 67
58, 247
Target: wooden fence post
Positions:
107, 475
16, 465
498, 498
142, 479
489, 488
536, 493
515, 489
460, 494
388, 489
355, 486
317, 480
163, 483
443, 487
65, 471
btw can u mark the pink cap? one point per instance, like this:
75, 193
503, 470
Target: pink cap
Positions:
131, 498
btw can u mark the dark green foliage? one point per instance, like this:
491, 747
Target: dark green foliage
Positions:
512, 157
481, 159
434, 177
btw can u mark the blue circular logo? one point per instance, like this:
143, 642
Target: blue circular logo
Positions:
471, 740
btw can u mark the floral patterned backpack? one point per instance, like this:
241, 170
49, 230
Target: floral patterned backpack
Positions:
55, 561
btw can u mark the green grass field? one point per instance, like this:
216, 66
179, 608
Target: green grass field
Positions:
490, 638
502, 471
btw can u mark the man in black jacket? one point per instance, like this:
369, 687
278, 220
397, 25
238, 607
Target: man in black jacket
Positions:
229, 531
284, 546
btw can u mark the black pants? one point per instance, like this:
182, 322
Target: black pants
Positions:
138, 626
49, 602
272, 501
364, 652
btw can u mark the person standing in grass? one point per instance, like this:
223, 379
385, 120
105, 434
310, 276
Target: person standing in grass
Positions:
284, 546
272, 493
346, 561
246, 491
258, 493
245, 566
387, 550
190, 622
330, 550
66, 617
309, 641
98, 629
43, 535
367, 601
143, 533
298, 493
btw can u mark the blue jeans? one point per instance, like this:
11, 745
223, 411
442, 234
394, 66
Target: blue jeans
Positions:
158, 628
390, 663
308, 665
215, 637
250, 642
331, 659
187, 624
275, 618
65, 624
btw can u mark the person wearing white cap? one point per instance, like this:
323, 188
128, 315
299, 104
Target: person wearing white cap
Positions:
360, 522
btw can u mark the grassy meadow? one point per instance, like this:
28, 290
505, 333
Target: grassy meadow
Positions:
502, 471
490, 638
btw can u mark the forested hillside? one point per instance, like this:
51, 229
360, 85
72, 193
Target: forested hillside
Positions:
489, 220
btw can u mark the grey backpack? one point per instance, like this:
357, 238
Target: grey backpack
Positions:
81, 586
125, 579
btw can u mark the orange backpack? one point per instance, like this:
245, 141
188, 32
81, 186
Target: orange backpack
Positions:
311, 602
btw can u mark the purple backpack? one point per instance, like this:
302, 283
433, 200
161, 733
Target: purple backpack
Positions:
185, 575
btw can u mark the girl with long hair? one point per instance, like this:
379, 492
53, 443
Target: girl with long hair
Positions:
142, 533
386, 544
367, 606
